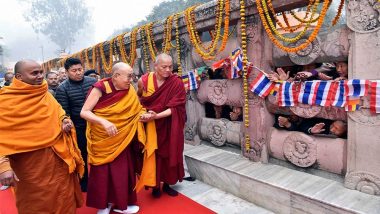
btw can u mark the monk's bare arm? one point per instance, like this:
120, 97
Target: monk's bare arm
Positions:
86, 112
166, 113
140, 88
92, 100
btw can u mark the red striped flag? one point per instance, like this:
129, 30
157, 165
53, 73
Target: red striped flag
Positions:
375, 97
261, 85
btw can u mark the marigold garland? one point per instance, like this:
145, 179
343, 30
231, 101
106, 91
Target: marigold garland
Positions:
308, 40
167, 45
274, 30
146, 59
86, 61
107, 66
150, 41
178, 45
210, 51
338, 14
93, 56
288, 27
245, 74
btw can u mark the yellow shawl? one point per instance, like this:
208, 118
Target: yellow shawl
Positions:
125, 114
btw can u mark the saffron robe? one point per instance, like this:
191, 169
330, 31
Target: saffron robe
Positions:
45, 159
170, 130
112, 175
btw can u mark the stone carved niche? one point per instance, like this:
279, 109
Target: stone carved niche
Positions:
307, 55
364, 182
221, 92
300, 150
220, 131
305, 111
363, 16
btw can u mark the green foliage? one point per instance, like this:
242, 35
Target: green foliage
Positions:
60, 20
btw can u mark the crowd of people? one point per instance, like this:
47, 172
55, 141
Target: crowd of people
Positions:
55, 131
313, 126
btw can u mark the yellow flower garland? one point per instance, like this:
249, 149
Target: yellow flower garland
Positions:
166, 45
178, 46
280, 36
303, 45
149, 40
211, 50
245, 74
107, 66
146, 60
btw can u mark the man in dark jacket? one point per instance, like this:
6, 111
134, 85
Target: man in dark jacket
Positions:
71, 94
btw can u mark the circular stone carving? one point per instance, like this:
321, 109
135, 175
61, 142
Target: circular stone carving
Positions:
306, 111
365, 117
363, 15
364, 182
307, 55
217, 92
217, 132
300, 150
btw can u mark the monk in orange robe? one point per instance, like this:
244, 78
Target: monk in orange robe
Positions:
39, 155
164, 95
115, 122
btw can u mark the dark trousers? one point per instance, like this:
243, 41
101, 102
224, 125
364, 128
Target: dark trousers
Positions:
82, 144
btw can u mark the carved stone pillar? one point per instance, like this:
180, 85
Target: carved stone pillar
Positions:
363, 159
259, 50
195, 111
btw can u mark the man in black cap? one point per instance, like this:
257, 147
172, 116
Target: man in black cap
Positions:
92, 73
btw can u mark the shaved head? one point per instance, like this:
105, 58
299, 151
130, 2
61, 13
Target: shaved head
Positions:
163, 57
29, 71
119, 67
122, 75
20, 64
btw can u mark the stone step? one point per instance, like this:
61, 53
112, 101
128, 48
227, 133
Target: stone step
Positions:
217, 200
273, 187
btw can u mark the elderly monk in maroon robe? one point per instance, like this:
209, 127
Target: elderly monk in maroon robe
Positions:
114, 114
163, 94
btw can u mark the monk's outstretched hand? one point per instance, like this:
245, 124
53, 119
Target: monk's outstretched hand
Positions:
109, 127
8, 178
67, 124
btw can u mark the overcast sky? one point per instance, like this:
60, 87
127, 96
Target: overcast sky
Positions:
107, 16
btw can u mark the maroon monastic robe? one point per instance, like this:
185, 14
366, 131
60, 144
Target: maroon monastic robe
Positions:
112, 182
170, 130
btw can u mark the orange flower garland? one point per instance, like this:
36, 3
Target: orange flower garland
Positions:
167, 45
146, 60
339, 13
178, 46
303, 45
107, 66
211, 50
280, 36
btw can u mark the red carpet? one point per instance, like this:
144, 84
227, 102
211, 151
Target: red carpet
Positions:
148, 205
